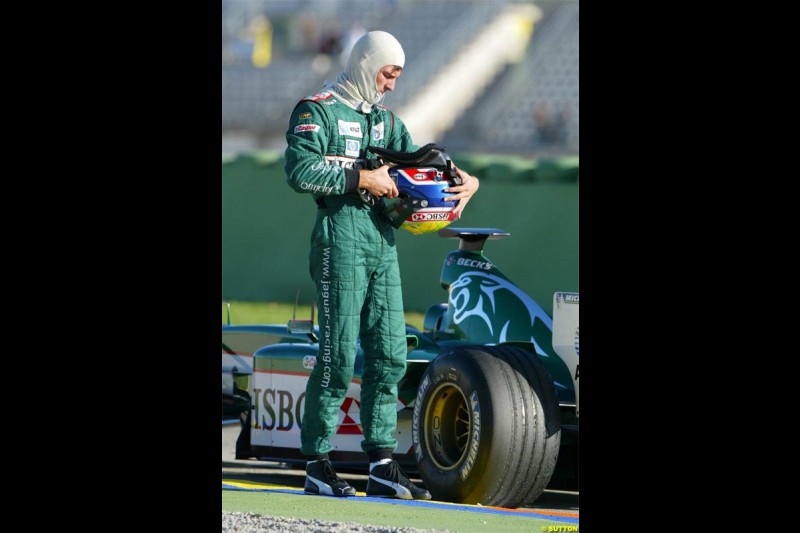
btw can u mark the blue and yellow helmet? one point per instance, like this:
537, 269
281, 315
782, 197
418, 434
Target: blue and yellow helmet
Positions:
421, 178
420, 207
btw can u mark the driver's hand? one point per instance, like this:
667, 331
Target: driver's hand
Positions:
378, 182
465, 191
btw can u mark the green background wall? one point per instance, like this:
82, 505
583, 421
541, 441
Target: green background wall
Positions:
266, 228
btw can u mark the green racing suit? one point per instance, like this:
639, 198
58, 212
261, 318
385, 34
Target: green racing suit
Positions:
353, 262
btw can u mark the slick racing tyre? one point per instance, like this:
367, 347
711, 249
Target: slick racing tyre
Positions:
486, 426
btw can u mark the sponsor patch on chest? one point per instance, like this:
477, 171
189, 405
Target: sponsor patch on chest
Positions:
352, 148
377, 132
350, 129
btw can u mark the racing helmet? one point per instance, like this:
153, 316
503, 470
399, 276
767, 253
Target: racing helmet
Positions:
421, 179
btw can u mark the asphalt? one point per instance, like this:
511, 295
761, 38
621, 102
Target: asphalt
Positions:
282, 475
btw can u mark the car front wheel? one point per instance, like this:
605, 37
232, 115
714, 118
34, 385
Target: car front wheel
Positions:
486, 426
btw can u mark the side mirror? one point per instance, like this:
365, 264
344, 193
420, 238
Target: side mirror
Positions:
305, 327
301, 326
412, 341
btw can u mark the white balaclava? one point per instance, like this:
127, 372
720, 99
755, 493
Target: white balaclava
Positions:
357, 84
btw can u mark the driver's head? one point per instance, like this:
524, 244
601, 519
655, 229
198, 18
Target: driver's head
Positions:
375, 56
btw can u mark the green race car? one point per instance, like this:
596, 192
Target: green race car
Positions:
488, 406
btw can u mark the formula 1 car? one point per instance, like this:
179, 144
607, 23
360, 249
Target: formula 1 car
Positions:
488, 406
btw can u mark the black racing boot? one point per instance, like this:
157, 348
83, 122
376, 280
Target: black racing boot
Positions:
388, 481
321, 478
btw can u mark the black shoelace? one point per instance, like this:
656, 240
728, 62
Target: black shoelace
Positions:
393, 472
330, 473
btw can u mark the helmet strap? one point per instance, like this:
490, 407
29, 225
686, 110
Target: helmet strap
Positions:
400, 211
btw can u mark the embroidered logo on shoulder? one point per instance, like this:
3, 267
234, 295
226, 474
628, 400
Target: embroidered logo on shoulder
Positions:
300, 128
324, 95
303, 116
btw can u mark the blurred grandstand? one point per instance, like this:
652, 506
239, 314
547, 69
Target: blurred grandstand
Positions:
276, 51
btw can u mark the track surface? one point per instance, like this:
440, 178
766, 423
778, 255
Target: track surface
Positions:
267, 476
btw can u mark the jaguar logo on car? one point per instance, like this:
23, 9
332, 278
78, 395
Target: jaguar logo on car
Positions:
478, 295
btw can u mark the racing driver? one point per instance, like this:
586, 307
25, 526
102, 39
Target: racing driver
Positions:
353, 262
